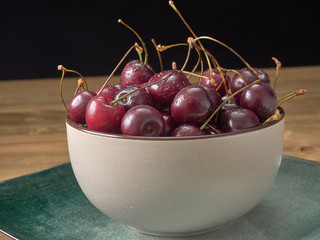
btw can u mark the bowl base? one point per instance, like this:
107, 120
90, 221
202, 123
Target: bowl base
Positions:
177, 234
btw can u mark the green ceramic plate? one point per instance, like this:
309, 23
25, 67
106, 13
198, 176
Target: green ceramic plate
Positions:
50, 205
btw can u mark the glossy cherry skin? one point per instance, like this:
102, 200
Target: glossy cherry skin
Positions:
109, 90
187, 130
117, 86
164, 91
78, 106
261, 99
103, 117
170, 123
237, 82
143, 120
135, 72
215, 81
191, 105
140, 97
236, 118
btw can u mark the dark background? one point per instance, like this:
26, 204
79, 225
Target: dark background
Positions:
36, 36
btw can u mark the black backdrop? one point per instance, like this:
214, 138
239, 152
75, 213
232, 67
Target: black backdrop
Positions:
36, 36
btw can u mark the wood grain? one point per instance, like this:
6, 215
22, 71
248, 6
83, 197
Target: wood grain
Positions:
32, 127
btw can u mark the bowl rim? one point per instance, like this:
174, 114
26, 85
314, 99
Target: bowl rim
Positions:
83, 129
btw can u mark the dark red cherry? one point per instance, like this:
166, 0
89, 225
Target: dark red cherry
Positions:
143, 120
78, 105
109, 90
135, 72
261, 99
170, 123
191, 105
237, 82
103, 117
215, 81
233, 118
164, 91
140, 97
187, 130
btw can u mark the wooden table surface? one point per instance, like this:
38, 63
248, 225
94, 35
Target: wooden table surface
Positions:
32, 127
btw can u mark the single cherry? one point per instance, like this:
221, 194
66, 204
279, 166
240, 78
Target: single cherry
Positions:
237, 81
187, 130
143, 120
232, 118
78, 106
215, 81
103, 117
135, 72
164, 91
261, 99
191, 105
137, 97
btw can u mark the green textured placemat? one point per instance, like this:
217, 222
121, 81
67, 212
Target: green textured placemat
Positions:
50, 205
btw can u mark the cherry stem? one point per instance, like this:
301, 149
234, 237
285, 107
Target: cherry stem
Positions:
278, 66
229, 48
162, 48
194, 74
138, 89
197, 64
80, 85
115, 69
138, 36
291, 95
187, 58
81, 82
213, 59
226, 100
158, 53
191, 45
171, 3
61, 68
219, 69
274, 117
139, 50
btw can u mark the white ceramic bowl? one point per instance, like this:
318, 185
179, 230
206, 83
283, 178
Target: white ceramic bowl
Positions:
176, 186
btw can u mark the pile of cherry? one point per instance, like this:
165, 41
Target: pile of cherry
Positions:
146, 103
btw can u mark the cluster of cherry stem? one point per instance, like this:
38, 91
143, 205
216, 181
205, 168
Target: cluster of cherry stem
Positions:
192, 43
